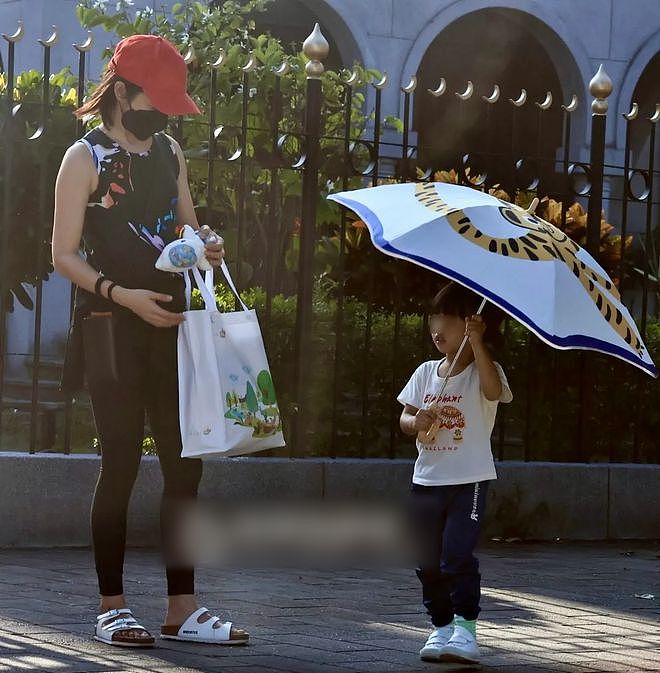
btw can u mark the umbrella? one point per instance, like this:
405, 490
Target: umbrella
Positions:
521, 263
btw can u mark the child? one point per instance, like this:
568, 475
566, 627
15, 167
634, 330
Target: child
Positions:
454, 465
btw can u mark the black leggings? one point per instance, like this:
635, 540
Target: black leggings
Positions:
147, 369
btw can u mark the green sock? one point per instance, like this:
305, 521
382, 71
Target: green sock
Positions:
469, 624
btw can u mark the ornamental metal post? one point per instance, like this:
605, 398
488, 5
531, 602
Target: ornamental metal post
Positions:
316, 49
600, 88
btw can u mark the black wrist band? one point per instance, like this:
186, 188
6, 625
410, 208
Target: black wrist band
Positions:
111, 287
97, 285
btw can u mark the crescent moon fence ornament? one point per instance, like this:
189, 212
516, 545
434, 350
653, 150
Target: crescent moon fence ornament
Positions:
17, 36
190, 55
236, 155
38, 133
251, 65
412, 85
655, 118
284, 69
384, 81
86, 45
467, 94
520, 101
353, 79
573, 104
547, 102
632, 115
494, 97
52, 40
440, 89
220, 60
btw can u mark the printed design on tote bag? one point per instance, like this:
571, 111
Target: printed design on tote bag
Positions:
257, 409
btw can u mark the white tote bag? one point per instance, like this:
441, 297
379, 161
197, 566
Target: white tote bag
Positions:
227, 403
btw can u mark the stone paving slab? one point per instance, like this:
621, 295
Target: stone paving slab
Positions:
547, 608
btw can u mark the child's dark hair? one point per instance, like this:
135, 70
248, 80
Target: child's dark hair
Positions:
454, 299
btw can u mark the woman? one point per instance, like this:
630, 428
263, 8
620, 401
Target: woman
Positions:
123, 189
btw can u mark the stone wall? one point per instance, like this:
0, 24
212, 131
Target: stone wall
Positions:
45, 499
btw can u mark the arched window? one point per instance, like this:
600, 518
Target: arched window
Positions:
488, 47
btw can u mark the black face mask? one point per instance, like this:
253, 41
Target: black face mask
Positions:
143, 123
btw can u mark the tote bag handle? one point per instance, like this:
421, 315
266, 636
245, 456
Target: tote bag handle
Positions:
207, 288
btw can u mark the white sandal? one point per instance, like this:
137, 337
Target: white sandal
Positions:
212, 631
110, 626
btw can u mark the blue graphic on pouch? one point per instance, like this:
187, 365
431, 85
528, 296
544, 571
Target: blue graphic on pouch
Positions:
183, 256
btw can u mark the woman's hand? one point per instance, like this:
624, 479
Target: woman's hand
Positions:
144, 304
214, 245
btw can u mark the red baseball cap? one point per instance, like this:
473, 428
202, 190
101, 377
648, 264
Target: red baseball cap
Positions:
156, 66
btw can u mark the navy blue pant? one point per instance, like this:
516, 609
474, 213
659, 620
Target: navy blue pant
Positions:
447, 521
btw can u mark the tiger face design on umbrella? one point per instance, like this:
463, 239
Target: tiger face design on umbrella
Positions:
542, 242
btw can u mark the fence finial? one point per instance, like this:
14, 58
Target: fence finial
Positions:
600, 88
85, 46
546, 103
655, 117
384, 81
411, 86
16, 36
467, 94
189, 56
521, 100
440, 89
52, 40
632, 115
316, 48
220, 60
494, 97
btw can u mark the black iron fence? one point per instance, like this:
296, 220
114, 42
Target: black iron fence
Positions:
344, 325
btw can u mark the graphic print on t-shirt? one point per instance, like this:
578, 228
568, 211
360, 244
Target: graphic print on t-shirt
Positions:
461, 452
450, 421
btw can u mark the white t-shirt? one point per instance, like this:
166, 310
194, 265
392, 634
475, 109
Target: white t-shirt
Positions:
461, 452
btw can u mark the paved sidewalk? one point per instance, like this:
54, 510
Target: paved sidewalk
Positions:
551, 608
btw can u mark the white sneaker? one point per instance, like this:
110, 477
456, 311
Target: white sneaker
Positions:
461, 647
436, 642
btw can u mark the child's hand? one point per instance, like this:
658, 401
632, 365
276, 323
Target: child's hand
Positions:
424, 419
474, 329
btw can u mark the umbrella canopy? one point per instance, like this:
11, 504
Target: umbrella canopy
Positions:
519, 262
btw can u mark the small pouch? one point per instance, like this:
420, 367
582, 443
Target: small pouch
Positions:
100, 350
183, 253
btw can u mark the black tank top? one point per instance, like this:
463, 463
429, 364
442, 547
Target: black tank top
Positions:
131, 217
